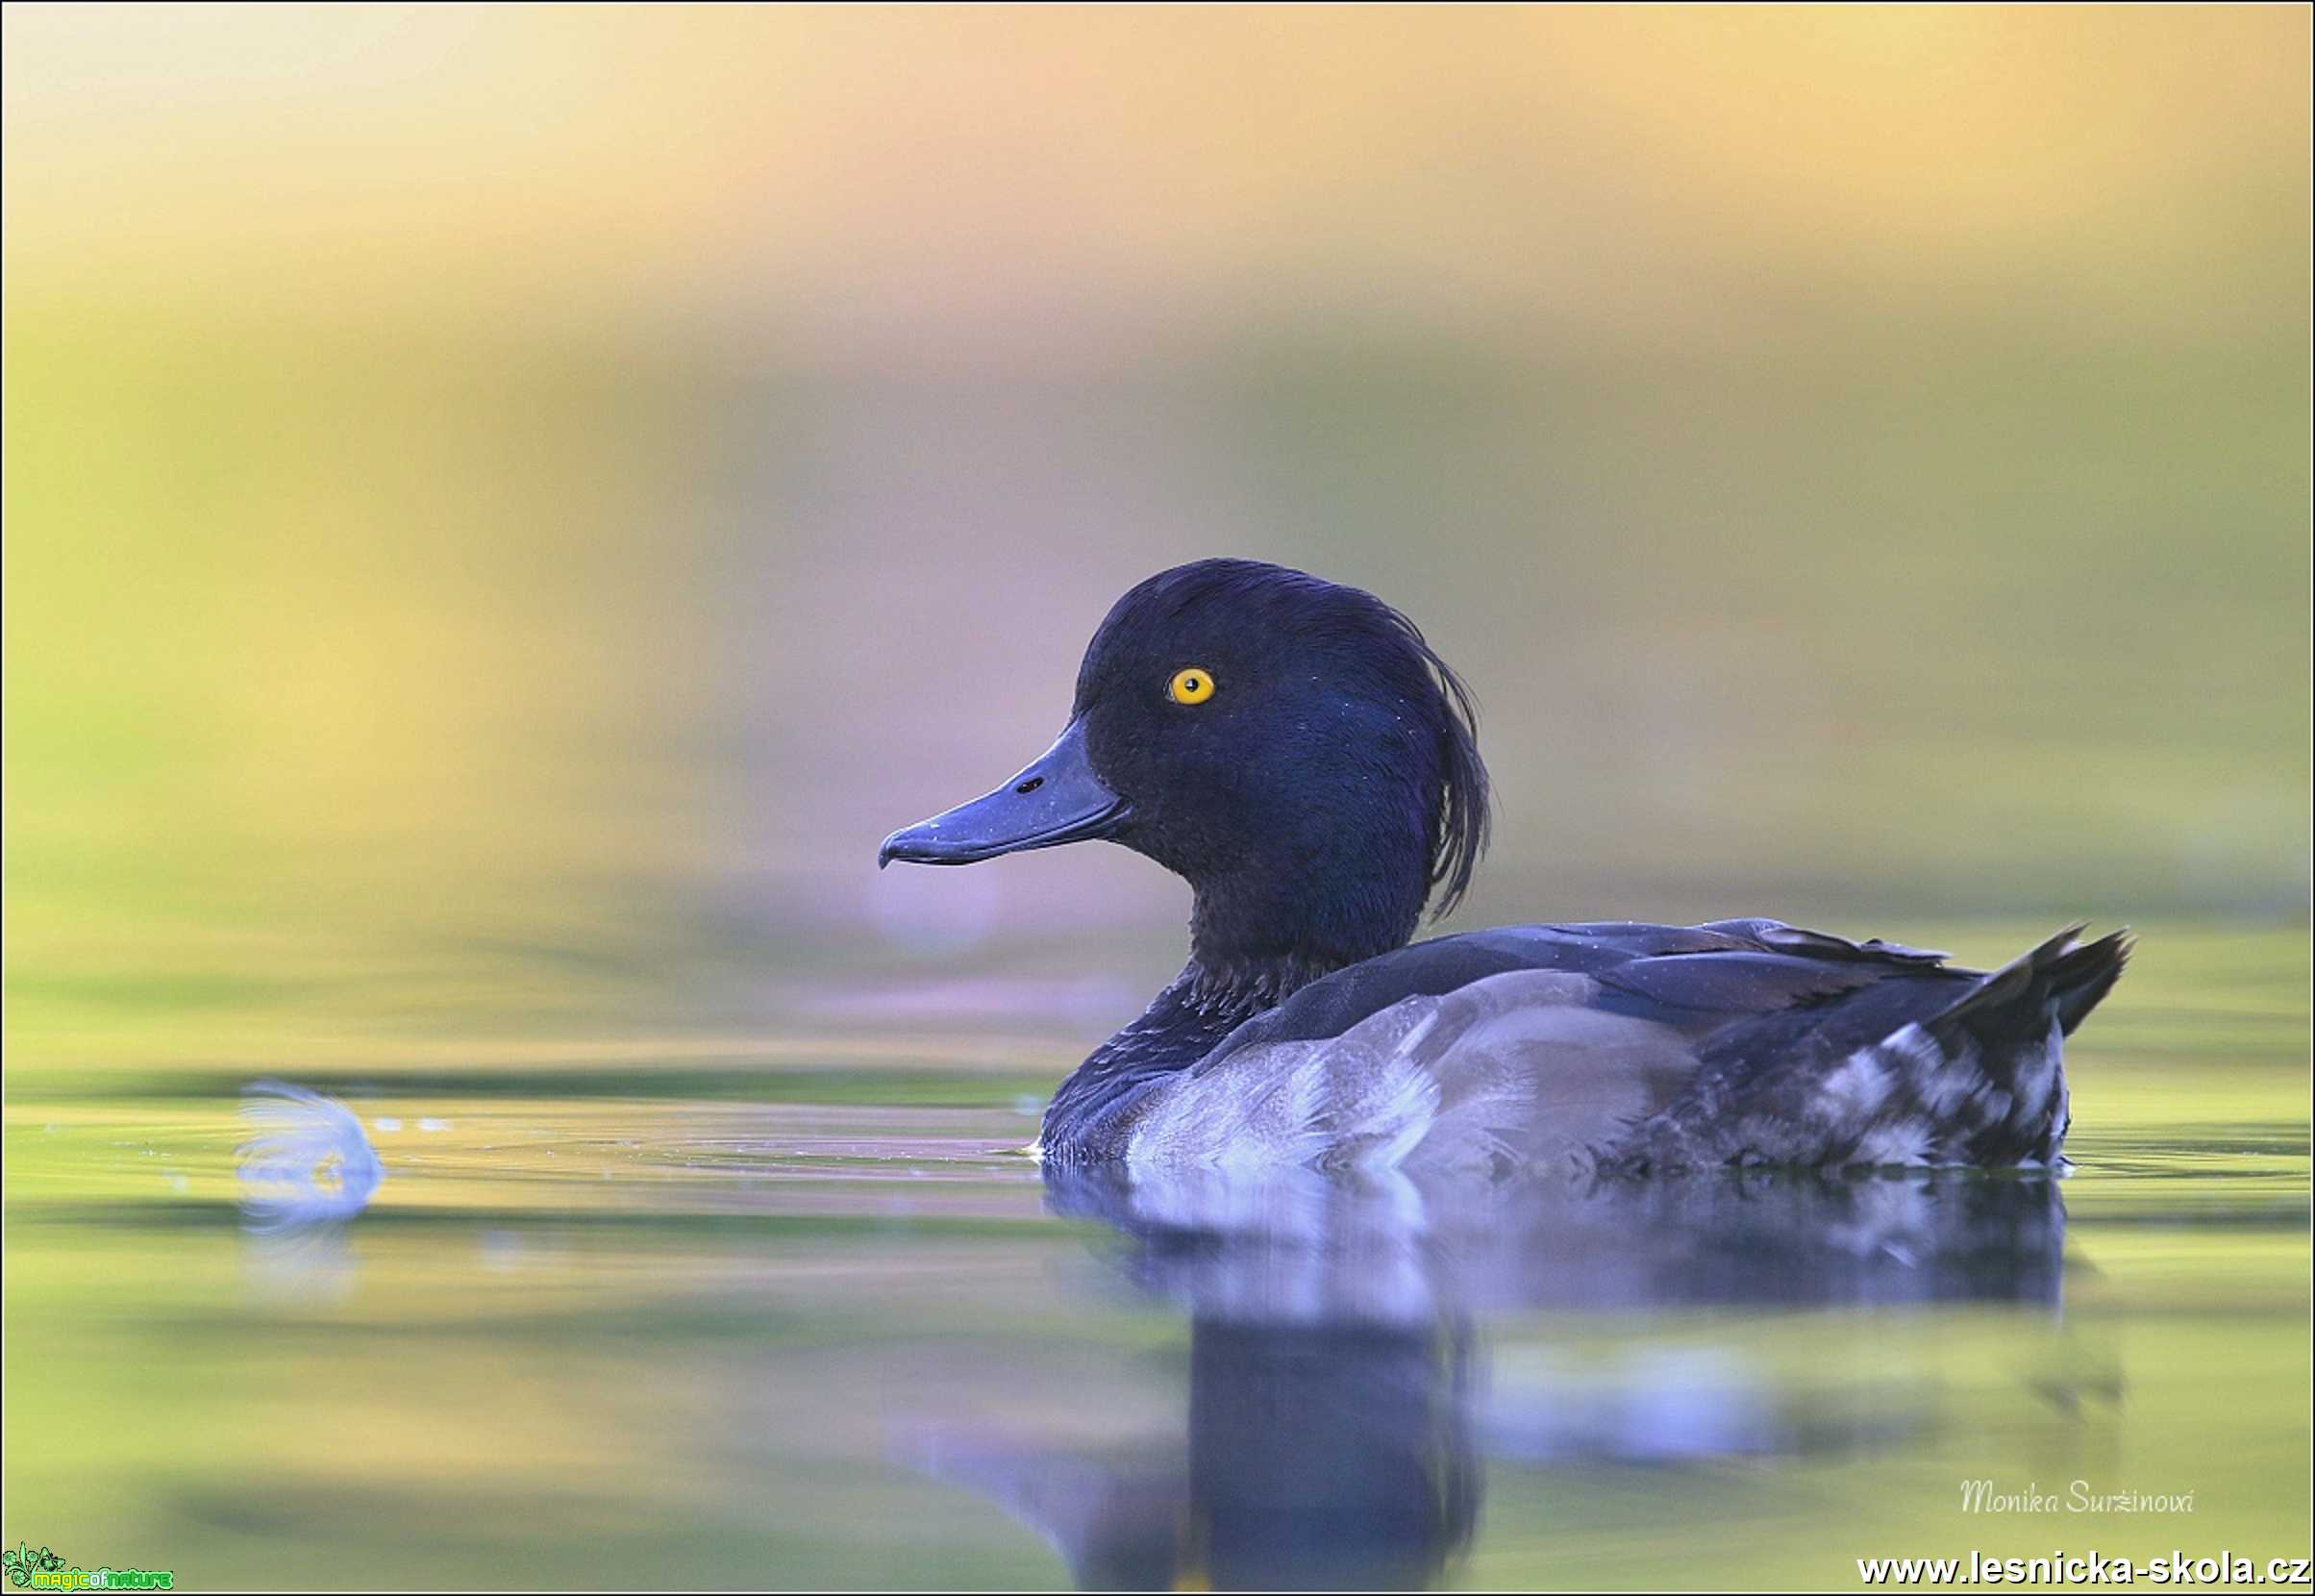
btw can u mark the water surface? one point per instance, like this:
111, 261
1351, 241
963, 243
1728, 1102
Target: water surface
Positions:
794, 1308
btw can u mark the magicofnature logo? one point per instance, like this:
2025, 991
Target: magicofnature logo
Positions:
43, 1570
20, 1562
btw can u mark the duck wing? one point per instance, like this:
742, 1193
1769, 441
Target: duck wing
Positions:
1639, 1047
1689, 976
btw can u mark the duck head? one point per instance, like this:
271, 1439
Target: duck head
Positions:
1293, 748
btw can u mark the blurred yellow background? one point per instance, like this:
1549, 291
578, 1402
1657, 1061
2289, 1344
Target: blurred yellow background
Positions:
504, 507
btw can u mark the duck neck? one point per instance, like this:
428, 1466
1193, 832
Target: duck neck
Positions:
1255, 942
1238, 988
1256, 939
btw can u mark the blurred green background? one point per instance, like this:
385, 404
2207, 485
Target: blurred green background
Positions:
504, 507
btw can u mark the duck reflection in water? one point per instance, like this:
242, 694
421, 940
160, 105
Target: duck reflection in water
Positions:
1335, 1421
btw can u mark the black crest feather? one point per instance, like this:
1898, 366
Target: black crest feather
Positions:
1465, 805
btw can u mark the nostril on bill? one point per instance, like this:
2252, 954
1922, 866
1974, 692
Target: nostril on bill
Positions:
1031, 785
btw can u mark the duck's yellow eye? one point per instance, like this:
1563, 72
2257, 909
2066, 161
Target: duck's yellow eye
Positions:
1194, 686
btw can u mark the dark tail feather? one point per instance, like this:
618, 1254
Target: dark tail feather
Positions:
2057, 978
2082, 979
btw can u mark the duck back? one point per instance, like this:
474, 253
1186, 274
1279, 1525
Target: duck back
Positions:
1617, 1047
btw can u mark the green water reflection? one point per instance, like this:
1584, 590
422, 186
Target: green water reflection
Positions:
801, 1315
